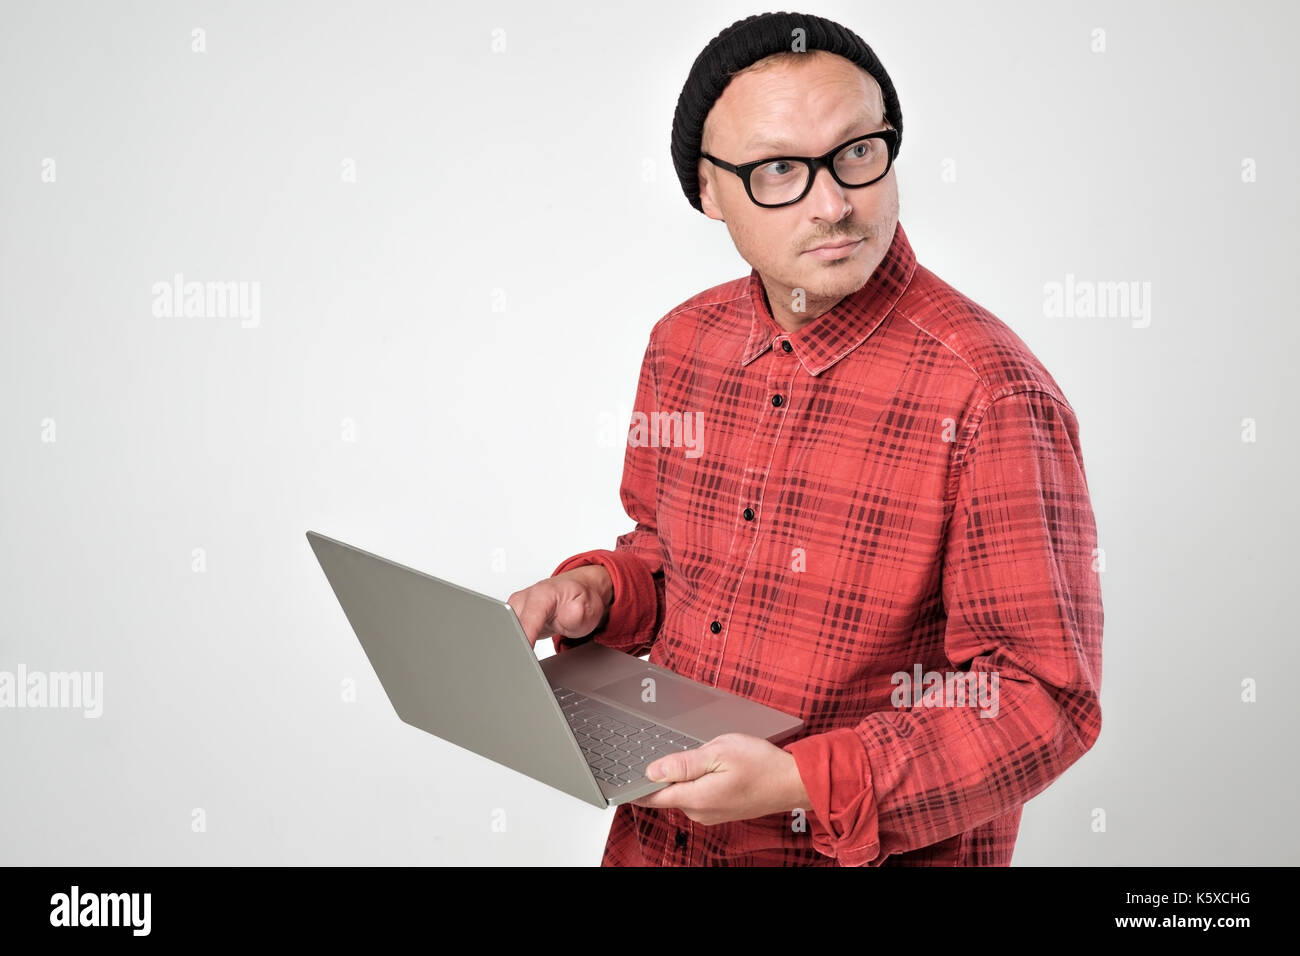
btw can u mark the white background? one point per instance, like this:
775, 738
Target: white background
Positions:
477, 303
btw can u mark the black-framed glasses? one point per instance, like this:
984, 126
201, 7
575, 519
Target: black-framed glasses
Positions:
783, 180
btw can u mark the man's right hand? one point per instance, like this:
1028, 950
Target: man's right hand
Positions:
573, 603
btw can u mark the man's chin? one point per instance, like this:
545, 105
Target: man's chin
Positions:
833, 280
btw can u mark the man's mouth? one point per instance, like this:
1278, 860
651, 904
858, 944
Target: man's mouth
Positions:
835, 249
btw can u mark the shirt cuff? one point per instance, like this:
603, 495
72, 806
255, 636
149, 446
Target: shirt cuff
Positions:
635, 600
835, 771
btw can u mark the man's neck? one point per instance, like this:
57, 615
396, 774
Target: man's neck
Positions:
793, 321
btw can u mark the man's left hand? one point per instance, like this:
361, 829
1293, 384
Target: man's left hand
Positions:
732, 777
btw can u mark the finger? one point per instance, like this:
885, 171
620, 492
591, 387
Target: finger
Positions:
530, 620
667, 798
678, 767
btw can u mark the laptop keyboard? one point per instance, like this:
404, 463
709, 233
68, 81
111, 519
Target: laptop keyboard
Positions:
617, 744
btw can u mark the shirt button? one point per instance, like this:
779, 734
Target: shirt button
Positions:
785, 345
749, 514
681, 838
715, 627
777, 400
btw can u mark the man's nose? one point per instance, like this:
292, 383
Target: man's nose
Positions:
828, 199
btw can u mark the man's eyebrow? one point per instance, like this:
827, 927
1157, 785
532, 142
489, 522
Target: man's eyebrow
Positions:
760, 140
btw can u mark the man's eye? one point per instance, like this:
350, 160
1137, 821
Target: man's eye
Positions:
779, 168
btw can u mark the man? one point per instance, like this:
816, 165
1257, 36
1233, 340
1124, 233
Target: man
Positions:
883, 525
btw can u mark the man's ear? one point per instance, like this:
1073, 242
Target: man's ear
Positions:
707, 203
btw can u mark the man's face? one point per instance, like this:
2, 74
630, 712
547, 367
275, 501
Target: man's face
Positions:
800, 108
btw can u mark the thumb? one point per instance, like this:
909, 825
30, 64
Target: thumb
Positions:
674, 768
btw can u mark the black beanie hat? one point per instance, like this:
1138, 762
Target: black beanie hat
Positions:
747, 41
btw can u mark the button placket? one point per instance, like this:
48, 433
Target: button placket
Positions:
777, 388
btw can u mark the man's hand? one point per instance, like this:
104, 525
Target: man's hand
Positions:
732, 777
573, 603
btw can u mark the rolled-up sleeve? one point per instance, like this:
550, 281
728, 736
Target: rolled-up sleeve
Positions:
1022, 596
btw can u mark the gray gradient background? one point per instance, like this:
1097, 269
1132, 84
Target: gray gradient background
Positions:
483, 448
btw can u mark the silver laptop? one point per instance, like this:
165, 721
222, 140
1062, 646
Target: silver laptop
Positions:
456, 663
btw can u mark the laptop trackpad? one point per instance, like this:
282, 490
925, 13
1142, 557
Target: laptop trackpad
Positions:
671, 697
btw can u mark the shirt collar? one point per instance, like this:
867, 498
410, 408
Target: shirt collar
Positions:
835, 333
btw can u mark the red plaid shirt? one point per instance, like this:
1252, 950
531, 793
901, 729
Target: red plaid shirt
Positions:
895, 489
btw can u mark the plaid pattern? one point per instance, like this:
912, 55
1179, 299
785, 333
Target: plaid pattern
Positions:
917, 503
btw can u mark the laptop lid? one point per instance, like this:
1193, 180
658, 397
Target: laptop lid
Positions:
456, 663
